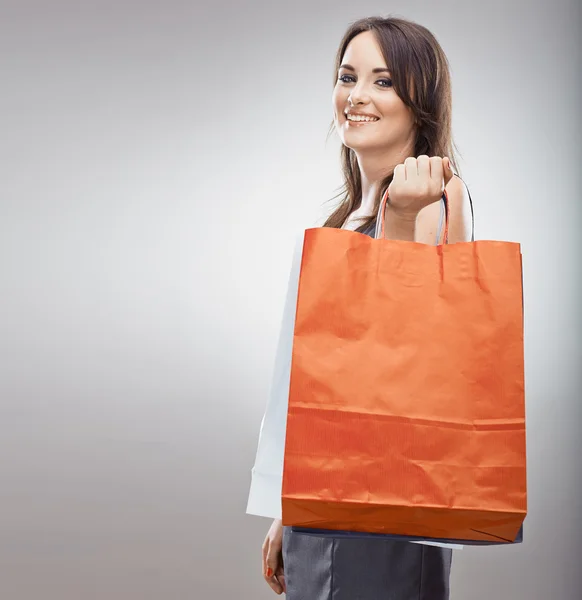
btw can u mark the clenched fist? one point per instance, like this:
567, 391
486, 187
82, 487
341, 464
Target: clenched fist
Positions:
417, 183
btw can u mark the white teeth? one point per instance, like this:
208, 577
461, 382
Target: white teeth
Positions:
360, 118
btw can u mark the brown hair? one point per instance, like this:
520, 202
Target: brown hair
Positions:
420, 75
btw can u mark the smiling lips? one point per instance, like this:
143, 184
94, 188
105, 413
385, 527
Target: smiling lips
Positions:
360, 118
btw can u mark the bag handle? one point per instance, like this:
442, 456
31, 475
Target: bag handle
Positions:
380, 219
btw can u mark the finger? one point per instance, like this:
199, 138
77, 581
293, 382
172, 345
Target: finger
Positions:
264, 561
448, 170
411, 168
274, 584
436, 170
398, 178
273, 581
269, 569
423, 162
280, 575
399, 173
270, 574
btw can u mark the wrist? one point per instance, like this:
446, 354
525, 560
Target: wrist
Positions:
400, 224
404, 215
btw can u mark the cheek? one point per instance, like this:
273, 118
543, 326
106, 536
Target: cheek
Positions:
396, 112
338, 100
391, 105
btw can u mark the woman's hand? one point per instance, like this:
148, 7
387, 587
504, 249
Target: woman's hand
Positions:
417, 183
273, 558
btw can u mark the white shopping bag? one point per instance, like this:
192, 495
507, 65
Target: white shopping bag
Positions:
267, 474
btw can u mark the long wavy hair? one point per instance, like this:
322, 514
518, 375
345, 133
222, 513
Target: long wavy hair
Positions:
420, 75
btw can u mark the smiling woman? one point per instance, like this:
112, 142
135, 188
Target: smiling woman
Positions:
363, 88
392, 106
392, 112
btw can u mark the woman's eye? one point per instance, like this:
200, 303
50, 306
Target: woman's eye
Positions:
351, 78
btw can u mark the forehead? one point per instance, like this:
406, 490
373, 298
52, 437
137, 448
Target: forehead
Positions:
364, 52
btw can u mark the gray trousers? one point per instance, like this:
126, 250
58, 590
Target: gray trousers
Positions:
327, 568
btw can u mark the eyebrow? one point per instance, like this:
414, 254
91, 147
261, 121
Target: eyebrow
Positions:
378, 70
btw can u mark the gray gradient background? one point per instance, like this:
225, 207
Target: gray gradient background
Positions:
156, 161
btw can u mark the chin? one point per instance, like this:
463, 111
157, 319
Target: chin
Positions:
358, 144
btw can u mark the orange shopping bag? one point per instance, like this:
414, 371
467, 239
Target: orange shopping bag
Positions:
406, 410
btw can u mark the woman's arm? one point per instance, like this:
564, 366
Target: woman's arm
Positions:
424, 228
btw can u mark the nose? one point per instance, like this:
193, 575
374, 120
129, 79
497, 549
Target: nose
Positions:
358, 95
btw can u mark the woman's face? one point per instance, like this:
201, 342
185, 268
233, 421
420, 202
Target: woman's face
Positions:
364, 86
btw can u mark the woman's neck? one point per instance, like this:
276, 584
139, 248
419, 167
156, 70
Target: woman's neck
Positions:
374, 168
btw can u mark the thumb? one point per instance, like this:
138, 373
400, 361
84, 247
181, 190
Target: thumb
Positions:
272, 563
273, 574
447, 170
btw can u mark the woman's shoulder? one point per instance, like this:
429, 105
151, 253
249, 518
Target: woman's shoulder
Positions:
461, 215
